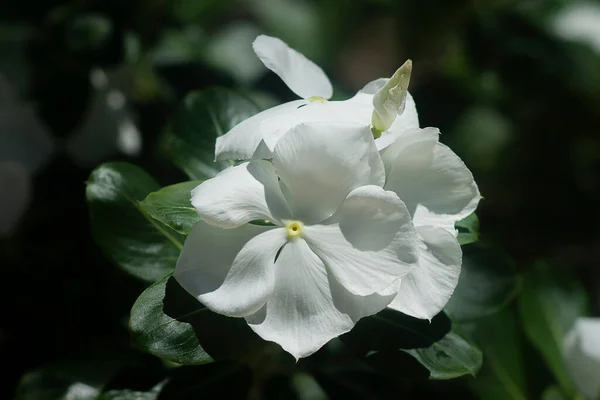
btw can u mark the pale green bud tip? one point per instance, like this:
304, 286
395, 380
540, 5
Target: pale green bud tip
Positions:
389, 101
376, 132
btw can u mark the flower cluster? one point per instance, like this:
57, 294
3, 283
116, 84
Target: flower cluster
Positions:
339, 210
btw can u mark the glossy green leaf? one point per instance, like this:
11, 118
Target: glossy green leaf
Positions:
392, 330
502, 375
468, 230
171, 205
488, 281
136, 242
201, 118
549, 304
170, 323
164, 336
449, 358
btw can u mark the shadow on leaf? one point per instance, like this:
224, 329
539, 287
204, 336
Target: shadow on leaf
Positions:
222, 337
392, 330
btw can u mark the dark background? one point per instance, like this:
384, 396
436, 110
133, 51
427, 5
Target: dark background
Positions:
513, 92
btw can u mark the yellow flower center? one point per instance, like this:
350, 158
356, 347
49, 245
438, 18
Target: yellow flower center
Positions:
294, 229
317, 99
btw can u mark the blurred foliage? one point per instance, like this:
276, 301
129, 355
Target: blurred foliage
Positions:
514, 86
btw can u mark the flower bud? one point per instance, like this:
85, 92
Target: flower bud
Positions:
389, 101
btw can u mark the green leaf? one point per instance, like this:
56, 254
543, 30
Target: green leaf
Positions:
553, 393
502, 375
172, 206
162, 335
488, 281
392, 330
170, 323
137, 243
549, 304
204, 116
468, 230
449, 358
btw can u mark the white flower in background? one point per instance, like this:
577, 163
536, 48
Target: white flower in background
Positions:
256, 137
26, 145
335, 254
438, 190
108, 127
581, 352
579, 21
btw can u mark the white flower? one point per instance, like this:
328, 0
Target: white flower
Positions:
338, 248
256, 137
437, 187
578, 21
581, 353
438, 191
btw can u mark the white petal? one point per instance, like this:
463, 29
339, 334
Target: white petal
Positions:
423, 217
243, 140
321, 163
425, 173
364, 272
374, 86
240, 194
231, 271
401, 139
407, 120
589, 332
345, 112
370, 217
426, 290
301, 75
308, 308
582, 356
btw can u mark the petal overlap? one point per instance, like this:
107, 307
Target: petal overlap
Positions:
307, 309
240, 194
425, 291
370, 243
426, 173
321, 163
243, 141
231, 271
